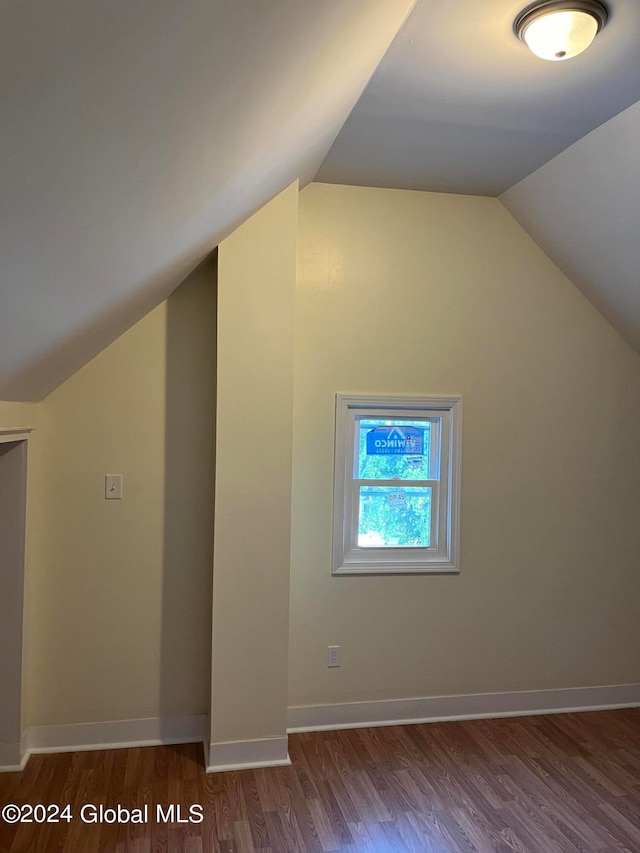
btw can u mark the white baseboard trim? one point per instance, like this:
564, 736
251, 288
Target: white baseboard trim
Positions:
119, 734
11, 758
247, 754
433, 709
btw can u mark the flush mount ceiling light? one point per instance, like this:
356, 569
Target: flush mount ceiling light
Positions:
560, 29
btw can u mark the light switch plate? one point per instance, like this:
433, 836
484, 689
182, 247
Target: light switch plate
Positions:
113, 487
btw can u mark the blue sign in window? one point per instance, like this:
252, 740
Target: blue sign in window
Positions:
395, 441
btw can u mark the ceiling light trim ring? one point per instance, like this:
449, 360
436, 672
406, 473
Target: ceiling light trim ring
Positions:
532, 13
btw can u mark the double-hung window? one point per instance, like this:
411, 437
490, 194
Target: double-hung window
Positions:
397, 485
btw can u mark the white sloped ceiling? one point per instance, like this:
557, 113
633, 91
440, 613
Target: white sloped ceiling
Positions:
459, 104
583, 209
135, 135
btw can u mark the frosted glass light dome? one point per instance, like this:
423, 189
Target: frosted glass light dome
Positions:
561, 35
561, 30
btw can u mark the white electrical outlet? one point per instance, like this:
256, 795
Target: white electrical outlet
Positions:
113, 487
333, 655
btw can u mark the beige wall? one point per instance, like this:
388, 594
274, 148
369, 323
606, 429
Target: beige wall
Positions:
119, 592
416, 293
256, 287
397, 292
15, 415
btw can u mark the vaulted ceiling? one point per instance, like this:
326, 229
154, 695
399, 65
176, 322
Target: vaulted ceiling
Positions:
134, 137
459, 104
583, 209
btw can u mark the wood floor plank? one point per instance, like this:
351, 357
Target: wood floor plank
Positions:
280, 840
556, 811
563, 784
429, 837
336, 813
324, 827
255, 815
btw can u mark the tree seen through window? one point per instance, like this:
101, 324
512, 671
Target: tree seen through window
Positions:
394, 512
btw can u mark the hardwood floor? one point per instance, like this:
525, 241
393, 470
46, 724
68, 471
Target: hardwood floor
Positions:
551, 784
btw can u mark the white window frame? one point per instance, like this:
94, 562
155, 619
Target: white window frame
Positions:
443, 556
